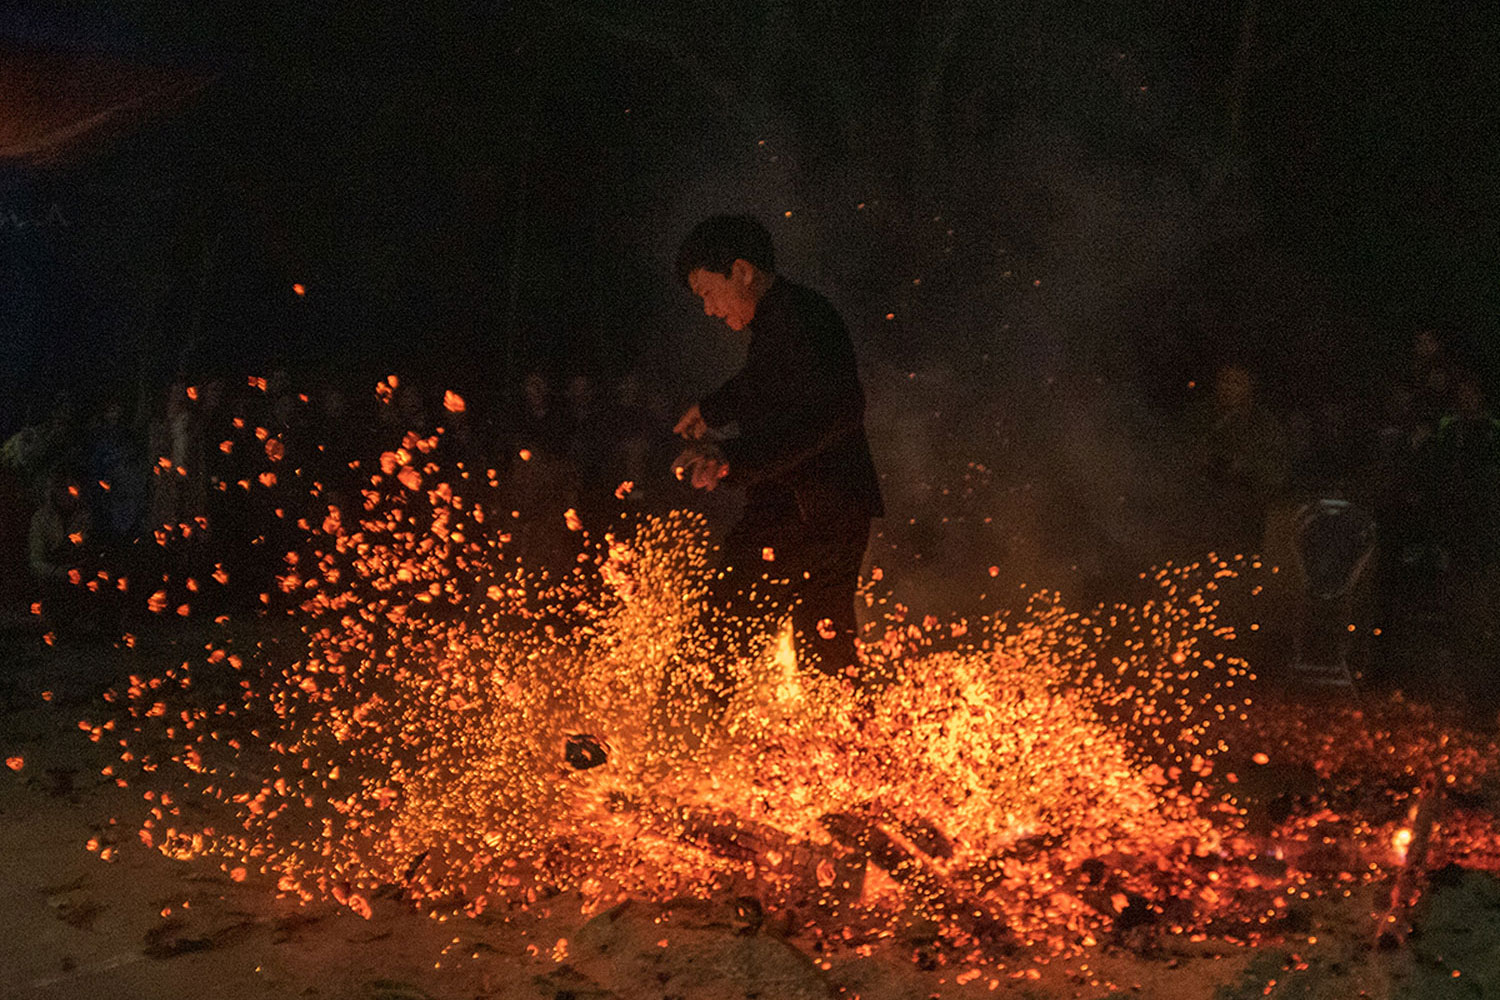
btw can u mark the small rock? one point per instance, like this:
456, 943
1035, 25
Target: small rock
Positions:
583, 751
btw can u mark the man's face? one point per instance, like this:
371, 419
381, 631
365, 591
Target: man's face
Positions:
729, 298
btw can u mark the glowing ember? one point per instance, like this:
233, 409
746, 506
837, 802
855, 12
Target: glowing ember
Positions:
1401, 842
477, 733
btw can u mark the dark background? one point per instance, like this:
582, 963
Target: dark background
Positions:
459, 186
1073, 213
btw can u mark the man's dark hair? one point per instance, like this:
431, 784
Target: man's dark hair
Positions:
718, 241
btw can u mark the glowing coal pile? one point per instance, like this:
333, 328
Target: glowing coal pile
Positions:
467, 731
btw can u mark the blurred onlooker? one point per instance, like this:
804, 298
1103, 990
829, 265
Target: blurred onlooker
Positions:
56, 541
285, 409
542, 481
26, 459
338, 444
607, 444
1393, 424
1429, 379
1459, 491
540, 427
35, 449
1331, 452
179, 484
631, 427
116, 477
1242, 461
1461, 465
1390, 475
588, 446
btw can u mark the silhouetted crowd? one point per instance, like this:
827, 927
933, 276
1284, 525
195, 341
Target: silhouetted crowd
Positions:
1419, 462
100, 505
177, 486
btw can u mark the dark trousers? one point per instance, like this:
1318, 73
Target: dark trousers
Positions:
775, 563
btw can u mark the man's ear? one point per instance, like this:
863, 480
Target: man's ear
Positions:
742, 272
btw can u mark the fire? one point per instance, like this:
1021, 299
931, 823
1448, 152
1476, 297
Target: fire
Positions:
478, 733
1401, 842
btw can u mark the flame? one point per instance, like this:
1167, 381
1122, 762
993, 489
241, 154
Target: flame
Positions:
788, 683
1401, 843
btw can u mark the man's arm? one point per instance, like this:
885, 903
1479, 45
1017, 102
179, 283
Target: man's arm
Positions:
729, 402
818, 402
797, 394
811, 434
691, 425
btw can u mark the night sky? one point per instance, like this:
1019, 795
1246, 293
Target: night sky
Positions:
469, 191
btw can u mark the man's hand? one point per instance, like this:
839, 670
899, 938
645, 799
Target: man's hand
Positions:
708, 472
701, 465
691, 426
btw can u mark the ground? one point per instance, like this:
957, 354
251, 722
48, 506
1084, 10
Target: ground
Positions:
144, 925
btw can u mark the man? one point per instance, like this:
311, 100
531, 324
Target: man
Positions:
1462, 466
800, 452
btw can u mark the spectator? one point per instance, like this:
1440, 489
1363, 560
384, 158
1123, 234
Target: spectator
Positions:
542, 480
1429, 380
26, 460
1391, 476
34, 450
1242, 461
115, 474
178, 485
590, 443
1461, 467
1461, 499
56, 542
631, 428
1331, 454
338, 445
406, 411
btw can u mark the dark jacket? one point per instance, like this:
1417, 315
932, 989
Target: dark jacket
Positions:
800, 410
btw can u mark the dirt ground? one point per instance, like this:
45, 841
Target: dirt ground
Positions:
144, 926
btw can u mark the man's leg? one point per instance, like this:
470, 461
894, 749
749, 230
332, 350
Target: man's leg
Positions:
829, 559
746, 598
740, 607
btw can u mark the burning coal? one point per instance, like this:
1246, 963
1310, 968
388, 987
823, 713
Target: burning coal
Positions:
451, 724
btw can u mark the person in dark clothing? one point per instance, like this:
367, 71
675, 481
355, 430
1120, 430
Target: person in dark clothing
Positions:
1461, 462
800, 451
1460, 466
